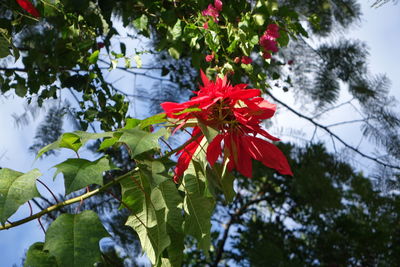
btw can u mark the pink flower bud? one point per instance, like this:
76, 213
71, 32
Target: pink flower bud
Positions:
209, 58
246, 60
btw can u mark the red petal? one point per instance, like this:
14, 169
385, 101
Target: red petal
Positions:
214, 149
268, 154
28, 7
204, 78
186, 156
257, 129
171, 107
245, 165
243, 94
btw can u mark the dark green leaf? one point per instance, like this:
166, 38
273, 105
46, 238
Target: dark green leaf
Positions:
37, 257
73, 239
141, 141
148, 219
79, 173
16, 188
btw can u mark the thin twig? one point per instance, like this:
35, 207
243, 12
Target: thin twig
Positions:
325, 128
48, 189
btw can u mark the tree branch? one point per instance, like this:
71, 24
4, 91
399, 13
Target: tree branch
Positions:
325, 128
69, 201
234, 217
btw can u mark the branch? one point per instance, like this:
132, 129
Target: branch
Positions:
325, 128
69, 201
234, 217
345, 122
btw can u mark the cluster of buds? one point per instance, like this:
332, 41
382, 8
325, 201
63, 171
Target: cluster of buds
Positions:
268, 40
213, 11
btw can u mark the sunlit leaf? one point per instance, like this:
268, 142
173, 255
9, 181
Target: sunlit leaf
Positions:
79, 173
16, 188
140, 141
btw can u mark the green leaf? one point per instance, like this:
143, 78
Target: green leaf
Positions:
4, 44
138, 61
79, 173
108, 142
198, 210
156, 170
224, 180
37, 257
174, 250
21, 89
141, 23
72, 141
209, 133
175, 31
174, 52
151, 231
94, 57
158, 118
198, 202
73, 239
131, 123
212, 41
187, 110
147, 220
16, 188
140, 141
167, 195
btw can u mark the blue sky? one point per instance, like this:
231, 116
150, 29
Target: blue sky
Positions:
379, 28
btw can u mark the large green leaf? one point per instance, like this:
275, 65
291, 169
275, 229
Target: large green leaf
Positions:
79, 173
198, 202
73, 239
148, 218
156, 170
73, 141
167, 195
151, 231
16, 188
198, 210
175, 249
37, 257
140, 141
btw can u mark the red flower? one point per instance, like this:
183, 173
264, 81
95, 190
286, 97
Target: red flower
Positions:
209, 58
246, 60
236, 112
28, 7
213, 11
268, 40
218, 5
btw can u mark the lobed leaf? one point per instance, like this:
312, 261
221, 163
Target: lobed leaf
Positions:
73, 141
79, 173
37, 257
73, 239
140, 141
16, 188
147, 220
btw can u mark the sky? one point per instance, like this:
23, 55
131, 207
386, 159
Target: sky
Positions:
379, 28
